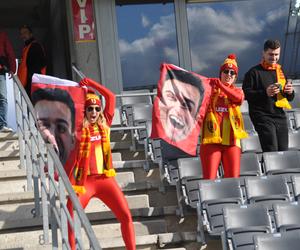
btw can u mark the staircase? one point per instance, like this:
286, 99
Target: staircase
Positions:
154, 213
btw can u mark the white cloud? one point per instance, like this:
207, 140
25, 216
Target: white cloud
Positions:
145, 21
214, 33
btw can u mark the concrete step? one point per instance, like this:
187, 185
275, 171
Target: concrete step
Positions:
15, 181
109, 235
10, 164
20, 215
8, 136
9, 145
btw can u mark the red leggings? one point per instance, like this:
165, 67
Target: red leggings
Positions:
212, 154
107, 190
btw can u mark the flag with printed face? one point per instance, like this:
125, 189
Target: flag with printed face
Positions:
59, 108
180, 106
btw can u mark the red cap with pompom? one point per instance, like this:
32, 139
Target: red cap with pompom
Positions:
230, 63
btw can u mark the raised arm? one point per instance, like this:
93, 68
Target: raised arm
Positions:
110, 98
234, 94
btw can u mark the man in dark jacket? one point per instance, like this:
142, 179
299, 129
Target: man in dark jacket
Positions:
268, 93
7, 65
33, 58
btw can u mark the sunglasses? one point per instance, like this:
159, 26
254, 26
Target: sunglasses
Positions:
229, 72
91, 109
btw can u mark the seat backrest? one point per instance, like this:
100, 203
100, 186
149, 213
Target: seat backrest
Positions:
296, 186
287, 215
129, 100
117, 119
260, 187
246, 216
250, 164
249, 127
244, 107
297, 119
294, 139
277, 241
142, 112
281, 161
189, 167
220, 189
251, 144
296, 101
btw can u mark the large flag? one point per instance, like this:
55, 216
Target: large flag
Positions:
180, 106
59, 107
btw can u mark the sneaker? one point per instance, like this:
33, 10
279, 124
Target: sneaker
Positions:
6, 130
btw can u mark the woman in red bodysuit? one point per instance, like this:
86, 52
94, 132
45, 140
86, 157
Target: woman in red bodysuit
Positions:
223, 125
93, 175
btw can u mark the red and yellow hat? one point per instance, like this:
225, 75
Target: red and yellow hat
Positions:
230, 63
92, 99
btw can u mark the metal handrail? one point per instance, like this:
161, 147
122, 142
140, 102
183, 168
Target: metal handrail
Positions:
50, 195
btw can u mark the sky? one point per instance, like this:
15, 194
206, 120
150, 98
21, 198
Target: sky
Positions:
147, 36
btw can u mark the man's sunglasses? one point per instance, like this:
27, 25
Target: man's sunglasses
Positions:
229, 72
90, 109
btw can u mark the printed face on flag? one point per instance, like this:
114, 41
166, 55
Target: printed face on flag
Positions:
59, 111
178, 108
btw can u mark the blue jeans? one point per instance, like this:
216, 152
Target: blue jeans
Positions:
3, 102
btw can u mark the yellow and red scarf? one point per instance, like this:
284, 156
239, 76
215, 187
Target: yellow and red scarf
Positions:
211, 127
281, 102
82, 168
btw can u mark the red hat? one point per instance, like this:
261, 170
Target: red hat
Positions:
92, 99
230, 63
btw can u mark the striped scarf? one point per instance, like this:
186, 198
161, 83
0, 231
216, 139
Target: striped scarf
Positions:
281, 102
82, 166
211, 126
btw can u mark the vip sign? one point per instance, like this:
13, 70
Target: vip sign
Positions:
83, 20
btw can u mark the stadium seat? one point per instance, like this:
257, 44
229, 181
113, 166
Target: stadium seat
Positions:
251, 144
190, 172
277, 241
241, 223
287, 216
296, 187
213, 196
244, 107
267, 189
282, 162
249, 127
297, 119
294, 140
250, 165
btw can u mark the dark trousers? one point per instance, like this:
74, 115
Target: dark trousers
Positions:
272, 132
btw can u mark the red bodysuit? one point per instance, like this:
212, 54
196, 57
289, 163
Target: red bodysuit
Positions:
98, 160
227, 151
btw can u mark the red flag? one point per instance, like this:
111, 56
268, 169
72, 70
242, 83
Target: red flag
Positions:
59, 107
180, 106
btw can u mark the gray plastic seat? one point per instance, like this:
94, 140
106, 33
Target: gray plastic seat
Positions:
250, 165
267, 189
190, 172
214, 195
282, 162
242, 222
294, 140
251, 144
287, 216
296, 186
277, 241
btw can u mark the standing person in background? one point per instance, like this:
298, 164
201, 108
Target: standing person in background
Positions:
223, 125
7, 65
33, 58
267, 93
93, 174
